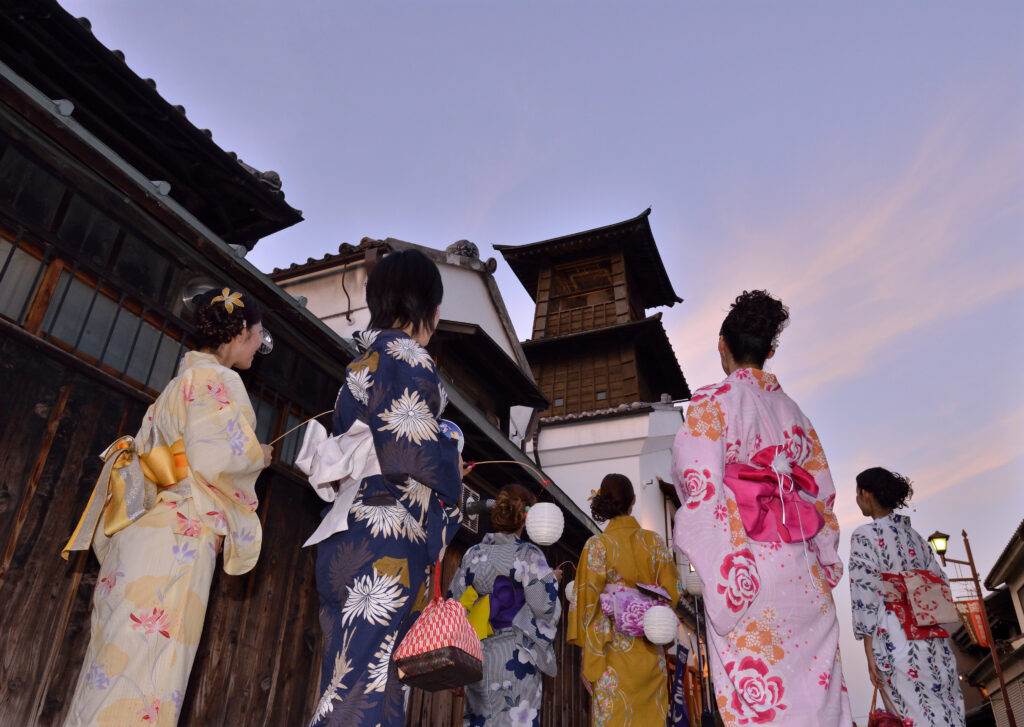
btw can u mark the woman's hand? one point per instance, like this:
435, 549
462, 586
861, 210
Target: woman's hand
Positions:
586, 685
268, 454
874, 676
558, 574
464, 468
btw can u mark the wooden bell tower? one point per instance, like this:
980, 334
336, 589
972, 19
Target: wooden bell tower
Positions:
592, 346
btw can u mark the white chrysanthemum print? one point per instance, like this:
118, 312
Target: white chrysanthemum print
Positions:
359, 383
412, 528
444, 398
365, 339
342, 666
417, 492
374, 598
410, 417
379, 668
384, 520
406, 349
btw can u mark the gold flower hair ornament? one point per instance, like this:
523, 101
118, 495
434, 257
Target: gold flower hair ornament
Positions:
229, 299
593, 494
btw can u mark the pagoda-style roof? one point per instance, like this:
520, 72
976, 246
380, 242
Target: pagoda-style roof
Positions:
632, 237
655, 357
59, 55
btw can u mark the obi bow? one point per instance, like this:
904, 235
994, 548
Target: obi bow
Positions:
496, 610
767, 492
127, 487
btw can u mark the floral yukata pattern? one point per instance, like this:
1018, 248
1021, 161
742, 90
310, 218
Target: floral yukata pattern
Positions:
629, 674
154, 580
371, 576
509, 695
774, 641
920, 673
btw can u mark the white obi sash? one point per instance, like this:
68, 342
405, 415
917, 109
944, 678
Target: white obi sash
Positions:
347, 458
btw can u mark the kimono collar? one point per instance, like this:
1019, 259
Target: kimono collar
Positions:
622, 522
500, 538
197, 358
756, 377
895, 518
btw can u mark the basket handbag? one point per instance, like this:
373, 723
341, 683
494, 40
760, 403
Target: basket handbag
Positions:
441, 650
883, 718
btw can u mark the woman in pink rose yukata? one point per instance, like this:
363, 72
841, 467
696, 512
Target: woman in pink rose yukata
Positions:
757, 524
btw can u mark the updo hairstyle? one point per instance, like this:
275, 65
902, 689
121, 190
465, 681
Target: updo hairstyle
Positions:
509, 512
404, 288
214, 325
613, 499
891, 490
752, 327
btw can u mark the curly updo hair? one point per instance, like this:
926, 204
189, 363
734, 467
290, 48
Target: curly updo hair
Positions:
215, 325
613, 499
509, 512
752, 327
890, 489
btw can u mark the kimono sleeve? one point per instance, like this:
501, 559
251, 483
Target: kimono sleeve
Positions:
866, 599
708, 528
403, 408
826, 541
539, 620
667, 574
588, 626
224, 460
462, 578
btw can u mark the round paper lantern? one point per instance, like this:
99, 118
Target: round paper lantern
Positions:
693, 584
570, 588
660, 624
544, 523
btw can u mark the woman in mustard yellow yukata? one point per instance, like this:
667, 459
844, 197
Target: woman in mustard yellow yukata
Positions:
198, 446
626, 675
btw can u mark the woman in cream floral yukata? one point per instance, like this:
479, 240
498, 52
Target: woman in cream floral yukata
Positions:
757, 524
198, 443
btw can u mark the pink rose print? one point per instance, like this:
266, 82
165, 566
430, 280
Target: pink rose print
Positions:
757, 695
149, 713
799, 445
698, 488
219, 392
187, 526
151, 622
741, 580
721, 390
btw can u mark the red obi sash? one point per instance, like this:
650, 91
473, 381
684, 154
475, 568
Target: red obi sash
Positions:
770, 505
906, 598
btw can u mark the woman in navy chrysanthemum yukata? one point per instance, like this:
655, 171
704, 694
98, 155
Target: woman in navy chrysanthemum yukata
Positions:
524, 610
374, 554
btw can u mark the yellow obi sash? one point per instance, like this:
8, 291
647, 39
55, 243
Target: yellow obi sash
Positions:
126, 488
479, 615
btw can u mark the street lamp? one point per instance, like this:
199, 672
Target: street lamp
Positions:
940, 541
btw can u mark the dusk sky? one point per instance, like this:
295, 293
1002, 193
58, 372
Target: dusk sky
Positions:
863, 161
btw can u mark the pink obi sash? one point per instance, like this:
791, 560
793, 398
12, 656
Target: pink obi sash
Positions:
770, 505
626, 606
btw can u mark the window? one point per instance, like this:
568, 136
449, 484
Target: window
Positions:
559, 401
19, 273
601, 395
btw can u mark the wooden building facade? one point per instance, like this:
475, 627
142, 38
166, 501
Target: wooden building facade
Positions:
112, 205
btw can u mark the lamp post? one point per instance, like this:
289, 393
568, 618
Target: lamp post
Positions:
939, 542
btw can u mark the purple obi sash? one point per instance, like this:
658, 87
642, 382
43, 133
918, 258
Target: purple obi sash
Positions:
770, 505
506, 600
626, 606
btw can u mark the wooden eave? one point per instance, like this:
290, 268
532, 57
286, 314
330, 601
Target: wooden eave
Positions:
632, 237
654, 351
481, 352
59, 55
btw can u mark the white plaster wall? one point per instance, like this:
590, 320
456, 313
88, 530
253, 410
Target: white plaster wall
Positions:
578, 455
467, 300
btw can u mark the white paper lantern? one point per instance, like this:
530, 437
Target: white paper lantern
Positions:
570, 587
660, 624
544, 523
693, 584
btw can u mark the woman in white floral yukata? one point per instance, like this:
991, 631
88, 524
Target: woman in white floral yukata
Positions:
915, 666
757, 524
521, 610
387, 526
197, 444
